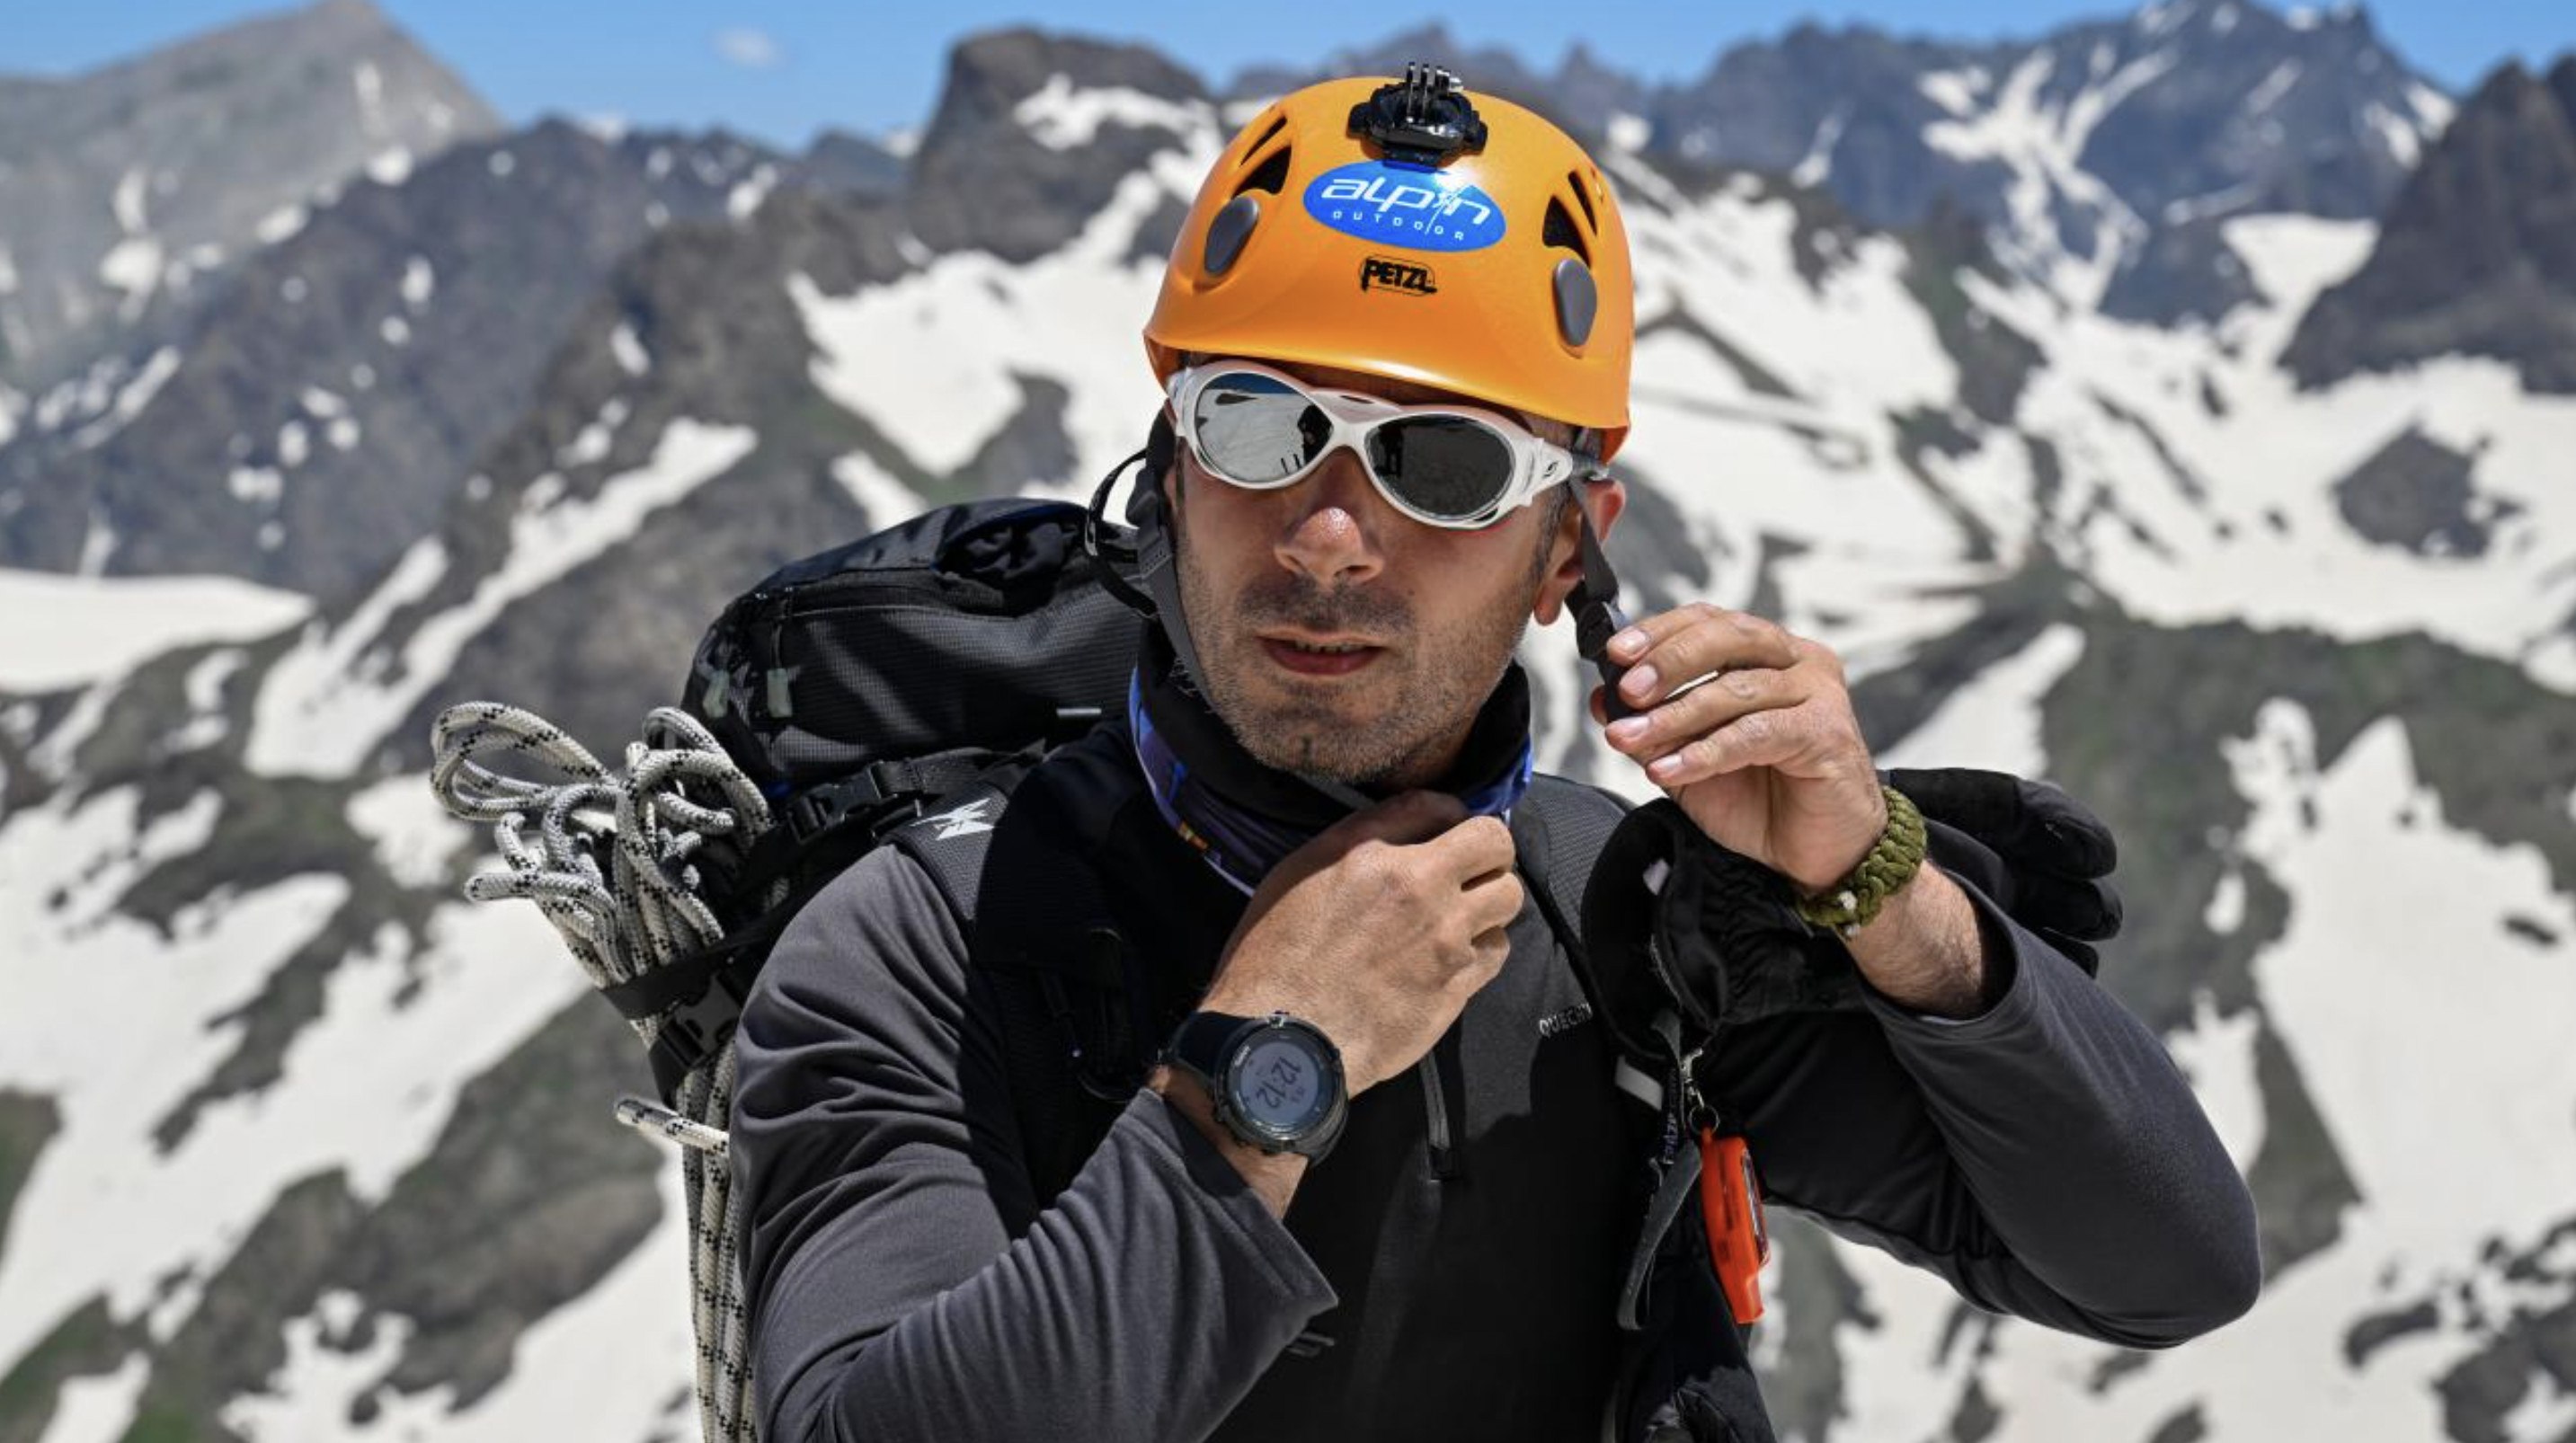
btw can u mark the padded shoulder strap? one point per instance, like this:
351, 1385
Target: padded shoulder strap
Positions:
1560, 826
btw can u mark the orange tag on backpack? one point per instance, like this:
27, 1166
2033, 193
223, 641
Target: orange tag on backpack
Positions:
1730, 1200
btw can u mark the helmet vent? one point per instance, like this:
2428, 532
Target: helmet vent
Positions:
1583, 198
1560, 230
1270, 175
1278, 123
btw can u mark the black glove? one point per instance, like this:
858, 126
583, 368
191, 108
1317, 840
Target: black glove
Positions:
1721, 937
2039, 853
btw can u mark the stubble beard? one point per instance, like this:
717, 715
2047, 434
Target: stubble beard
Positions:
1396, 727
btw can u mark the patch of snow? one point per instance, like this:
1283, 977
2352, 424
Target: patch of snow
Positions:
205, 681
1630, 132
327, 703
99, 1408
884, 499
100, 628
595, 438
2268, 92
280, 223
395, 330
903, 140
390, 166
2404, 142
606, 127
131, 398
1062, 116
1818, 162
342, 433
293, 290
501, 163
369, 83
98, 543
132, 265
322, 403
2304, 17
129, 201
746, 196
362, 377
1993, 720
967, 322
419, 281
2217, 1054
2226, 910
2223, 20
272, 534
257, 485
8, 271
1955, 91
658, 163
2433, 109
628, 350
294, 444
414, 837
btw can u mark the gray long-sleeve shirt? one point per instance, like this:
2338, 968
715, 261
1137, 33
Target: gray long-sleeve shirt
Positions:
905, 1281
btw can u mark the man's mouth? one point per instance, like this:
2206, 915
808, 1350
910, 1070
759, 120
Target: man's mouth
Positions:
1320, 655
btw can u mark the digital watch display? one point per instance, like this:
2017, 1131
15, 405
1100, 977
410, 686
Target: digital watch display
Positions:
1276, 1081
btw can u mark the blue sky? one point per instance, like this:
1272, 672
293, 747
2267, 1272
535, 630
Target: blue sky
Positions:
781, 71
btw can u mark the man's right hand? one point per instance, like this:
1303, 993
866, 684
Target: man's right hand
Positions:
1377, 931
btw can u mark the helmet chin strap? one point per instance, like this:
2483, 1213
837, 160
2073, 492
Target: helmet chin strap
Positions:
1597, 617
1149, 548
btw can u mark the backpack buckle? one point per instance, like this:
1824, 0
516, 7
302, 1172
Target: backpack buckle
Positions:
818, 809
697, 1030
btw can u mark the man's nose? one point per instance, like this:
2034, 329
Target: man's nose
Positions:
1332, 523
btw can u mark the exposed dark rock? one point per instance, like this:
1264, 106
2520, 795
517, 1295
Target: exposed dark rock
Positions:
2474, 256
840, 161
329, 403
982, 180
27, 1122
2185, 272
2369, 1334
2417, 494
89, 1341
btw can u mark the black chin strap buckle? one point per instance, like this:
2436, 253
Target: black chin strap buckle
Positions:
1597, 617
1425, 119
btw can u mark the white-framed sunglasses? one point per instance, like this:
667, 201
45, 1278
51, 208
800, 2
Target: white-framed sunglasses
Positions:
1459, 467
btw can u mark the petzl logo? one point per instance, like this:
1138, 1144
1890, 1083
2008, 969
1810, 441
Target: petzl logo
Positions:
1420, 210
1382, 273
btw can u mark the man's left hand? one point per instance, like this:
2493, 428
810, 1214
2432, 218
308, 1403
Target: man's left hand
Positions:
1764, 755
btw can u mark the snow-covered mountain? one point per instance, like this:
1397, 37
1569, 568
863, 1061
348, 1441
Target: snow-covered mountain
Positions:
296, 1143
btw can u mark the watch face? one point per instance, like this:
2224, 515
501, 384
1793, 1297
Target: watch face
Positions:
1279, 1084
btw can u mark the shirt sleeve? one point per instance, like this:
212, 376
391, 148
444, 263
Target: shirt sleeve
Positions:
880, 1172
2045, 1157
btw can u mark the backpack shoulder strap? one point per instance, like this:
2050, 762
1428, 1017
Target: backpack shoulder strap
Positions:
1558, 831
1057, 973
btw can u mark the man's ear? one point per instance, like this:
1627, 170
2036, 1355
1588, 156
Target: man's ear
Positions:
1603, 501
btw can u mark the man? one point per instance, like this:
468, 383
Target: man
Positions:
1383, 1183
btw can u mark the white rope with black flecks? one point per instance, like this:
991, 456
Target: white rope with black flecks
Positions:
609, 866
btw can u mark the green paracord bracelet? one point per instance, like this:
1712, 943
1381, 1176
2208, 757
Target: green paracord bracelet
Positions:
1848, 905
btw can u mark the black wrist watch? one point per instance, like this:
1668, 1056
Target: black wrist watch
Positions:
1276, 1080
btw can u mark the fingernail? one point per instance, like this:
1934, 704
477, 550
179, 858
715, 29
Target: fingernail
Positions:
1628, 643
1663, 768
1639, 683
1627, 729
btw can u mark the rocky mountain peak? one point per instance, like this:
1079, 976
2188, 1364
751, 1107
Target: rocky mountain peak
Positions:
1034, 131
2474, 255
119, 186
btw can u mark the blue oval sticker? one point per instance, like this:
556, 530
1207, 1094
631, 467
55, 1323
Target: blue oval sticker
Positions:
1423, 210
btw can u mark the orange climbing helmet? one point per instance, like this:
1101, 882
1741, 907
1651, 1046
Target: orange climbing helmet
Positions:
1407, 230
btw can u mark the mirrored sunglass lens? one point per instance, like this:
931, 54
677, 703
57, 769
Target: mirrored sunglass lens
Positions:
1445, 466
1255, 430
